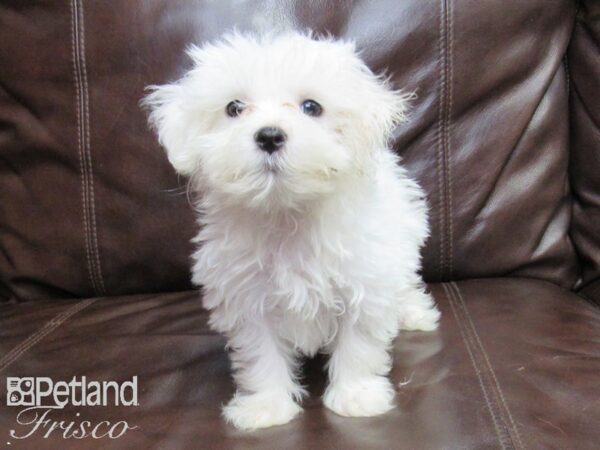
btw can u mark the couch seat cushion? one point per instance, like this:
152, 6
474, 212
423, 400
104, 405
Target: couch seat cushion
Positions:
515, 364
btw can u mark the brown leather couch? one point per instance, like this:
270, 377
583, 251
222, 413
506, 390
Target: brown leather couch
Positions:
95, 227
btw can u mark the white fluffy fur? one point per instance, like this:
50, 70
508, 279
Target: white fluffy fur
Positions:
313, 248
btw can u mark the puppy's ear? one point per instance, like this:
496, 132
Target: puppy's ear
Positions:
168, 117
386, 109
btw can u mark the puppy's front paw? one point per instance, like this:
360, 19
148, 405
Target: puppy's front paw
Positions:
420, 316
260, 410
367, 397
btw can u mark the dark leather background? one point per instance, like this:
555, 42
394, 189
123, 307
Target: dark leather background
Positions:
89, 205
504, 136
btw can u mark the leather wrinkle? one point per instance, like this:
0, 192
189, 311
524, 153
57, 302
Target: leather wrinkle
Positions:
556, 210
19, 100
518, 142
585, 106
589, 34
42, 332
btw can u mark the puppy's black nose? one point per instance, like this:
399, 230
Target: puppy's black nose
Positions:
270, 139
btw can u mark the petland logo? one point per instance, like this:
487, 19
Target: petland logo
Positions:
41, 395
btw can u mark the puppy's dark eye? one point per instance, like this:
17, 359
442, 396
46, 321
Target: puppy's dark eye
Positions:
311, 108
235, 108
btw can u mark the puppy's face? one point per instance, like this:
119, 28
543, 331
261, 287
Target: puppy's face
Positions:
274, 122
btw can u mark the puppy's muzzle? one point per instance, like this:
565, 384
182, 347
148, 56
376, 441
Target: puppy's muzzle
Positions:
270, 139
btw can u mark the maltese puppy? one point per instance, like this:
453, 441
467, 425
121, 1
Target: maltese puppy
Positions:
310, 229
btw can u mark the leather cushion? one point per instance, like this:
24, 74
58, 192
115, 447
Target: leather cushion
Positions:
514, 364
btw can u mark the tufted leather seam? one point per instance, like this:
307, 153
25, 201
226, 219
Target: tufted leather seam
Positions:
44, 331
440, 139
500, 427
83, 122
446, 43
82, 175
503, 408
448, 177
88, 147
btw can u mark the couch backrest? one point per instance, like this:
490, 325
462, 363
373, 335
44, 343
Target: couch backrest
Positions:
90, 206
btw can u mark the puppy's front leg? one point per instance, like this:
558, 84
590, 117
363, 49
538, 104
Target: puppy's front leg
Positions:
264, 373
358, 386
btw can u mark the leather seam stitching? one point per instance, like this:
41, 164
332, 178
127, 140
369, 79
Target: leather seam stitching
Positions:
440, 139
82, 173
502, 436
446, 45
94, 236
85, 148
516, 436
44, 331
450, 75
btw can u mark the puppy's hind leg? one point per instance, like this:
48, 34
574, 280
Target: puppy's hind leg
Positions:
358, 386
264, 373
418, 310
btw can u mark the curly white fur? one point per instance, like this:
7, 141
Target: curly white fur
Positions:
313, 248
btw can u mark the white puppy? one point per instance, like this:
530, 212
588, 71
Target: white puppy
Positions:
310, 230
